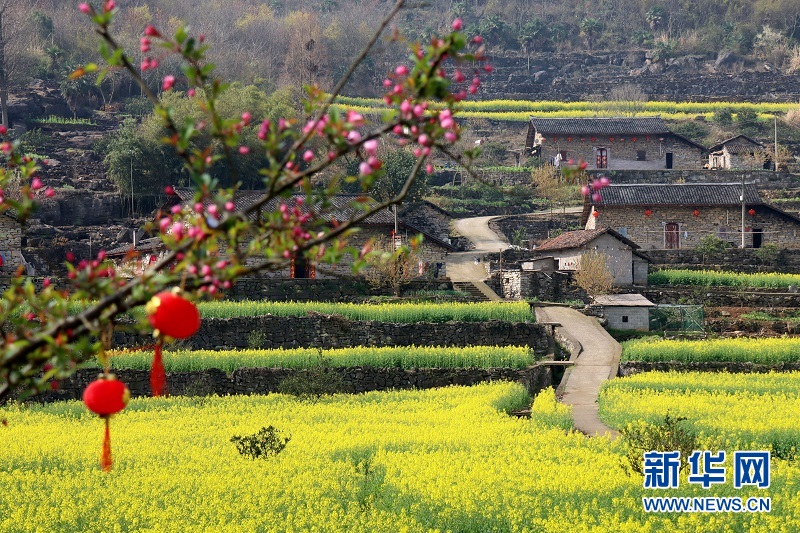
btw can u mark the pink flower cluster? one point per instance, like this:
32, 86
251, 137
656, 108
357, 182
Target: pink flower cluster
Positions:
594, 187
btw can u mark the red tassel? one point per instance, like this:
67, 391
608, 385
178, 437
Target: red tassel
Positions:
158, 378
105, 459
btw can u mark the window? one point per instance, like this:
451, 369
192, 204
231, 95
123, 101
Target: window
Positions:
641, 155
625, 318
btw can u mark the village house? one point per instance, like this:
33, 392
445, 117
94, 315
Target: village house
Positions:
740, 152
378, 226
625, 311
674, 216
627, 264
644, 143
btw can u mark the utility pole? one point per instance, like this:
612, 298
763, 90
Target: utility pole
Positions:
776, 142
742, 210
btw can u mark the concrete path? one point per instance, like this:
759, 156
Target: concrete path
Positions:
461, 266
596, 361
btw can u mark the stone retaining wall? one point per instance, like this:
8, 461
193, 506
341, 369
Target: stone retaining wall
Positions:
330, 331
732, 259
720, 297
266, 380
763, 179
629, 368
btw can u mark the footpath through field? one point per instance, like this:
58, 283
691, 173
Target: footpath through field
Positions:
596, 360
461, 266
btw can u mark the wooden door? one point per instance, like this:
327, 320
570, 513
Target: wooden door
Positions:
602, 158
672, 236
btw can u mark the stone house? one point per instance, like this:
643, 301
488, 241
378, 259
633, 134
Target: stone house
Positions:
740, 152
625, 311
674, 216
378, 226
628, 266
10, 244
644, 143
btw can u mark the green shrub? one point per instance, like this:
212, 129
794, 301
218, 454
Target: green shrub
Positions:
267, 442
669, 435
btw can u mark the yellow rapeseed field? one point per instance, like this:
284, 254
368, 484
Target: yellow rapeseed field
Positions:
435, 460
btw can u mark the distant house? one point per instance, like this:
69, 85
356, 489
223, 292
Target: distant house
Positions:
626, 263
625, 311
644, 143
378, 226
740, 152
673, 216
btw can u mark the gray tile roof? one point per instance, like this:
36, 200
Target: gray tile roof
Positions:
740, 143
623, 300
600, 126
578, 238
700, 194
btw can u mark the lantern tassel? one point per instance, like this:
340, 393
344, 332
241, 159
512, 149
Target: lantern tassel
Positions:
158, 377
105, 459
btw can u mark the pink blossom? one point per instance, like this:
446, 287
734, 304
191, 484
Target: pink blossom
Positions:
450, 136
198, 207
459, 76
374, 163
169, 189
308, 156
205, 270
175, 209
229, 206
401, 70
151, 31
585, 190
596, 197
426, 150
423, 139
488, 68
387, 82
36, 184
417, 152
477, 39
191, 92
429, 168
458, 24
446, 122
177, 230
354, 137
398, 129
472, 89
109, 6
213, 210
405, 107
144, 44
84, 8
364, 169
282, 124
3, 130
246, 117
244, 150
49, 192
168, 83
355, 118
418, 110
460, 95
371, 146
604, 181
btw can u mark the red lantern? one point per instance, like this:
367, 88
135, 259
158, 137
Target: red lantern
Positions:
596, 214
106, 396
633, 139
696, 213
611, 139
593, 139
648, 212
171, 316
569, 139
751, 212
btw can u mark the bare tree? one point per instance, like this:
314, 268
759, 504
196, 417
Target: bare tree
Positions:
593, 275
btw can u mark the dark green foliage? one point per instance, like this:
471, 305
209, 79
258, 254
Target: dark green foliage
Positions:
666, 436
723, 117
313, 383
267, 442
397, 165
710, 246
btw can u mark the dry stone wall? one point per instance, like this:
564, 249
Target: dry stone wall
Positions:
267, 380
330, 331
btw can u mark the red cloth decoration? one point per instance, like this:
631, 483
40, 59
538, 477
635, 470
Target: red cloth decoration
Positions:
158, 377
106, 396
696, 213
752, 212
648, 212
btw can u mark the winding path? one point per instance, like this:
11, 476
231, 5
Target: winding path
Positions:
597, 354
596, 359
